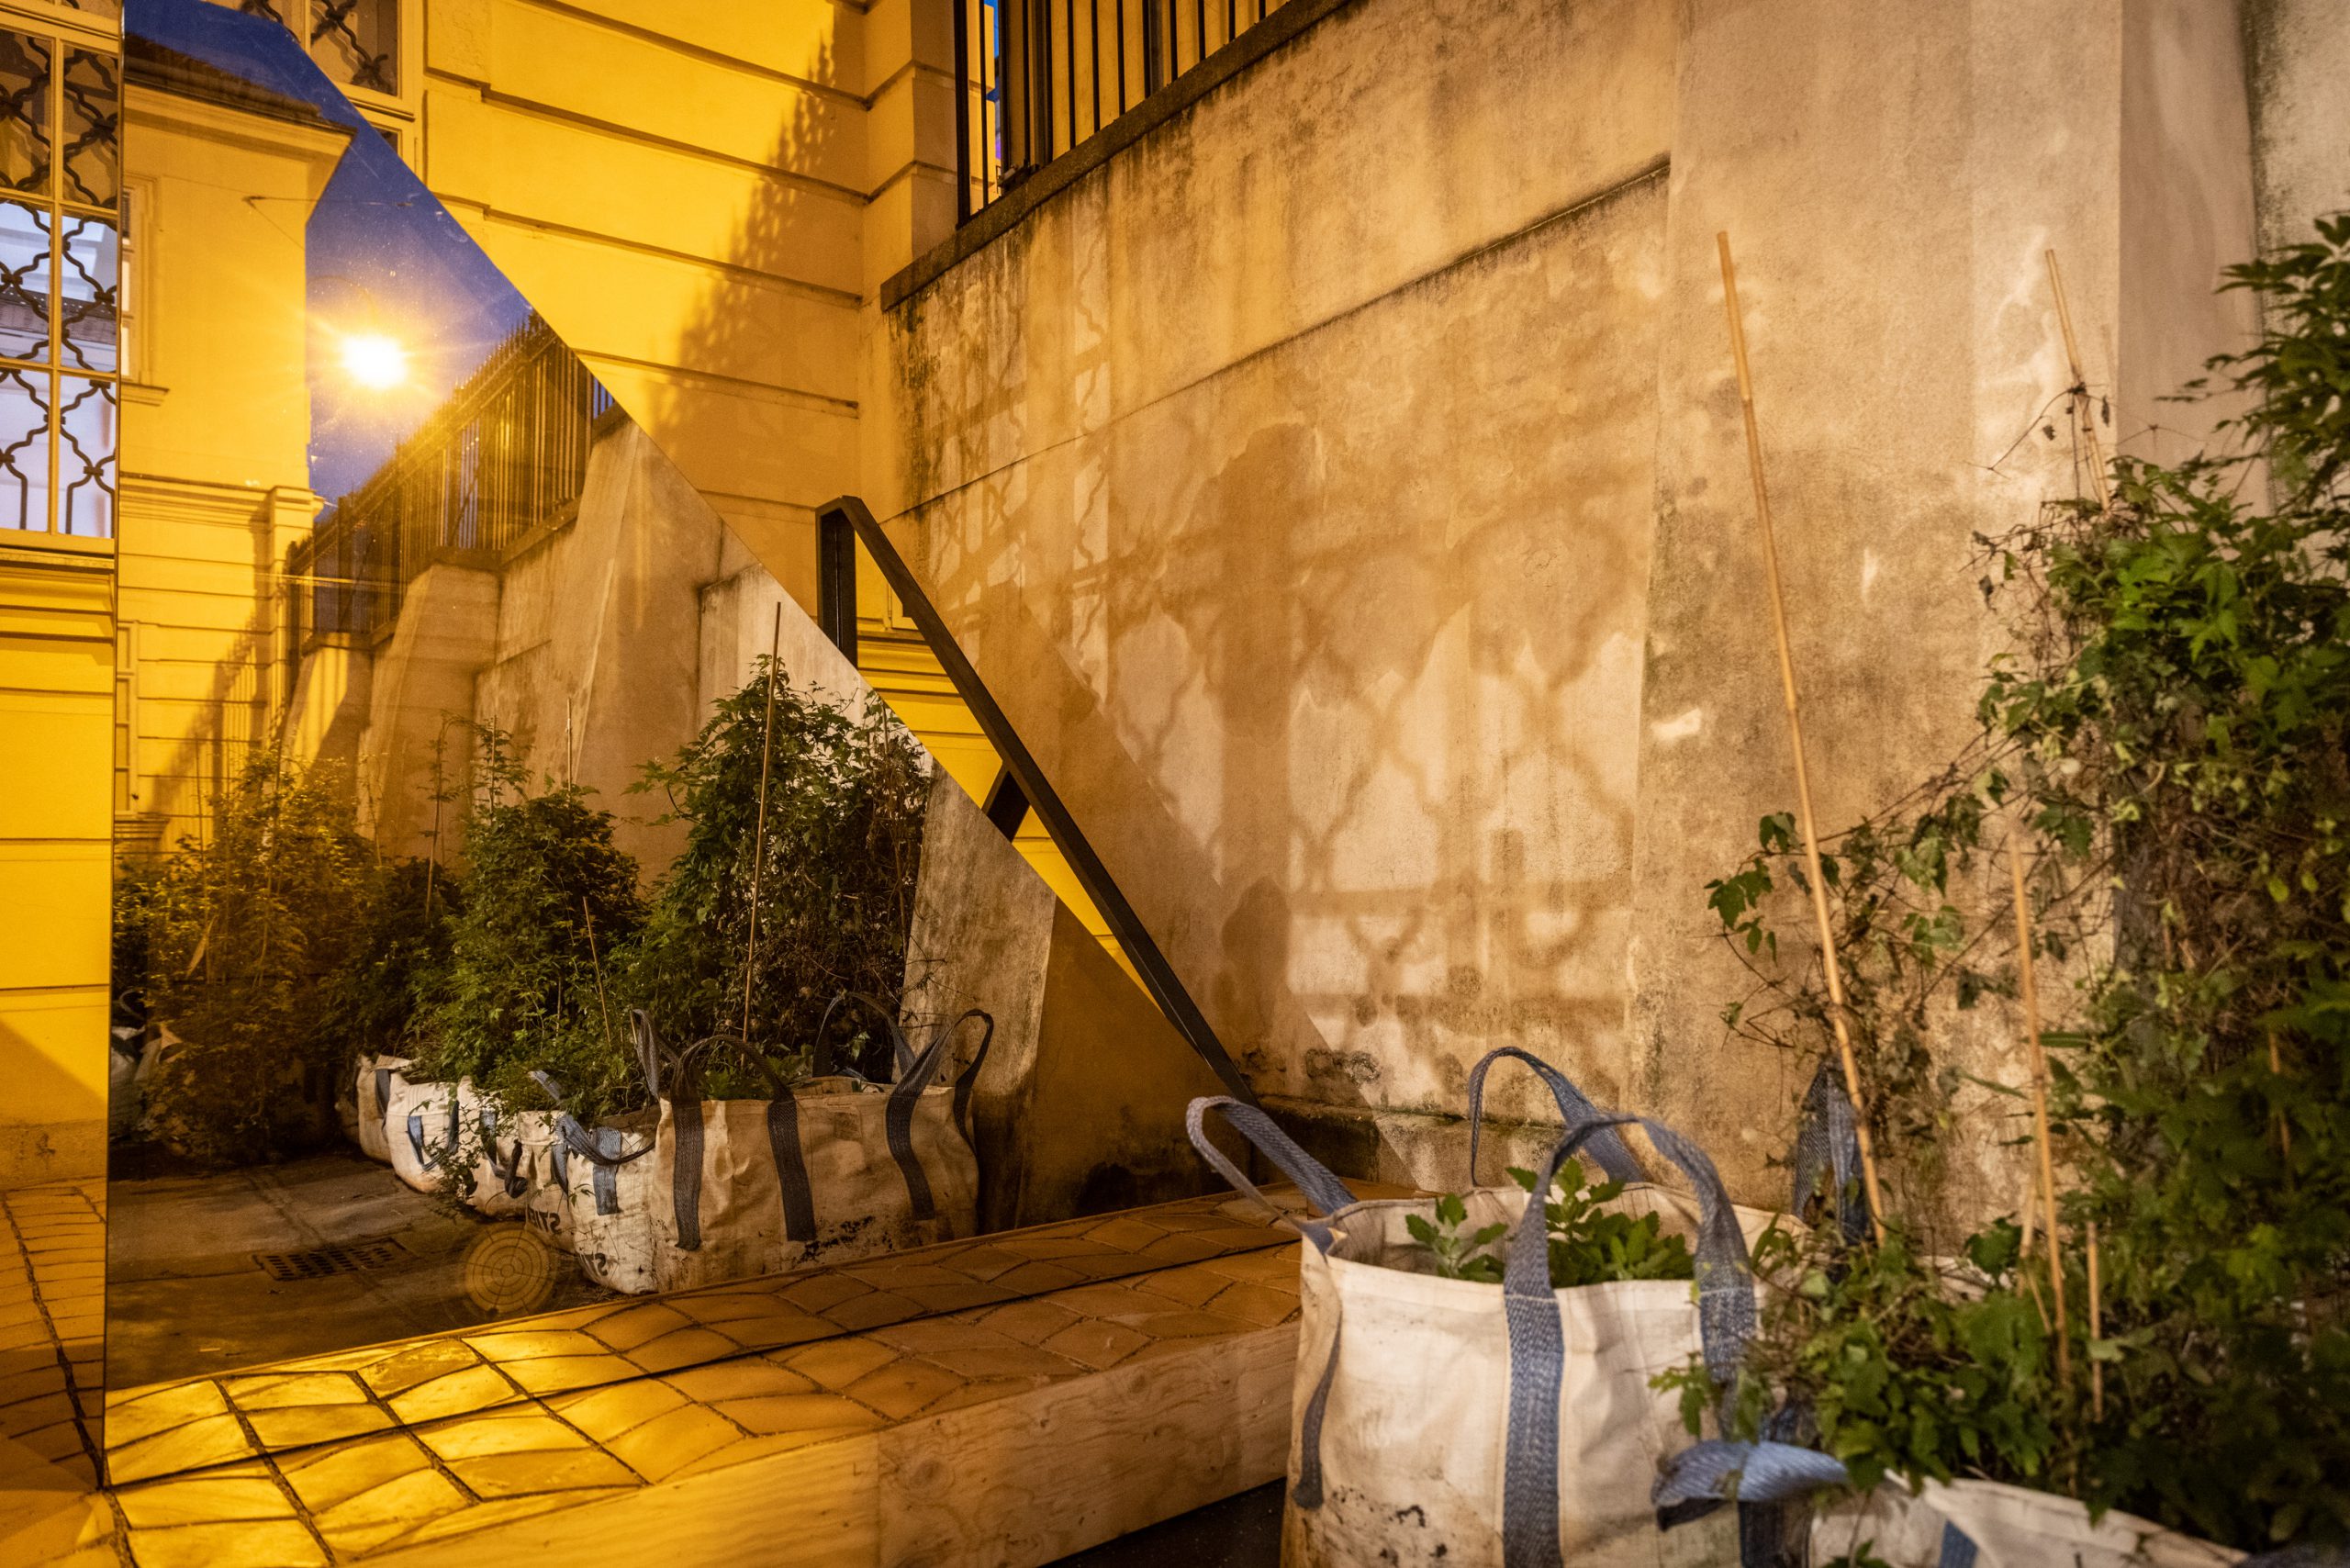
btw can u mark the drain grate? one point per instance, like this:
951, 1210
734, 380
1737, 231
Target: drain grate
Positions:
348, 1257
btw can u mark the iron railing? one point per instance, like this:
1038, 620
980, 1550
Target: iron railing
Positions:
842, 525
505, 455
1041, 77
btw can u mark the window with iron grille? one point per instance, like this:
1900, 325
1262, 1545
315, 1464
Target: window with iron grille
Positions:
355, 42
1042, 77
60, 269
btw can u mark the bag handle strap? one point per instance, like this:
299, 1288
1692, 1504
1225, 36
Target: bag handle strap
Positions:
574, 1137
1574, 1108
1322, 1189
898, 1116
1828, 1156
903, 1053
1326, 1194
1725, 1320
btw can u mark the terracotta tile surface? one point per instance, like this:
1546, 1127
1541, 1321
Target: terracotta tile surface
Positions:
332, 1459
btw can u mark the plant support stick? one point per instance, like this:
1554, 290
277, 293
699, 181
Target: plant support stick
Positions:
759, 841
1803, 778
2097, 1332
2026, 983
2084, 419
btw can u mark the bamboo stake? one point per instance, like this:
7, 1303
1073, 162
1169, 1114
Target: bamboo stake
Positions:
2039, 1107
1803, 778
759, 844
2097, 1332
2085, 420
604, 1003
2284, 1128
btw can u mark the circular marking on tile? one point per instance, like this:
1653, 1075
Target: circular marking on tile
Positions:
509, 1269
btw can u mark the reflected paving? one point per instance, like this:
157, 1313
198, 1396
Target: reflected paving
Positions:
899, 1303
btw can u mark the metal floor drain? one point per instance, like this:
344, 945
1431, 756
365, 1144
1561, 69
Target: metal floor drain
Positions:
319, 1262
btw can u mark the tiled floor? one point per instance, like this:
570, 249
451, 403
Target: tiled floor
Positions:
52, 1326
333, 1459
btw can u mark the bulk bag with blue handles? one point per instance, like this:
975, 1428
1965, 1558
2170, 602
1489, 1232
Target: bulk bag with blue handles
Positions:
1444, 1423
829, 1169
371, 1103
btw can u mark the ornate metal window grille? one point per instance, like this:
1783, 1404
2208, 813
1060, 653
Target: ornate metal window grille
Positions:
355, 42
61, 191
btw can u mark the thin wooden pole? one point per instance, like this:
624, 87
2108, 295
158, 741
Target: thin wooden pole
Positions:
596, 963
2040, 1106
1803, 776
2097, 1332
2284, 1127
2085, 418
759, 844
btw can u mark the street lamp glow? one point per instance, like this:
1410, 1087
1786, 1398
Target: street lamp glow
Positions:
374, 361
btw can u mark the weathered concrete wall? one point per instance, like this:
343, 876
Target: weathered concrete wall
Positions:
1345, 491
1237, 472
2299, 62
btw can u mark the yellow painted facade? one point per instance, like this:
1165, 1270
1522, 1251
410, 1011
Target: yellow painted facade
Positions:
56, 709
216, 436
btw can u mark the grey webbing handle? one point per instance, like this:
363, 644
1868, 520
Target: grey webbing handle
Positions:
1574, 1108
821, 1062
1325, 1193
898, 1116
1828, 1156
1322, 1189
1725, 1320
509, 1171
575, 1136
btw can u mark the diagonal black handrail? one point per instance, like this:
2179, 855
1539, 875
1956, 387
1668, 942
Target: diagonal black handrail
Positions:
849, 514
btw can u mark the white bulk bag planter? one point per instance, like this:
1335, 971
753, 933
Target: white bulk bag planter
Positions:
600, 1206
1963, 1524
501, 1145
1444, 1422
371, 1098
424, 1125
827, 1169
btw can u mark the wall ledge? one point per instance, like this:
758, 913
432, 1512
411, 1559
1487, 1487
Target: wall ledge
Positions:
1008, 212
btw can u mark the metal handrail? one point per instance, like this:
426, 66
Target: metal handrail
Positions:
847, 518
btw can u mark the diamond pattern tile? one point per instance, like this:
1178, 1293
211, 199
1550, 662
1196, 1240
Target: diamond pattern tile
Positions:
334, 1459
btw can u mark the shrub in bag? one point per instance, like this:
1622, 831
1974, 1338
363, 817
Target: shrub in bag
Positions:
1447, 1421
827, 1168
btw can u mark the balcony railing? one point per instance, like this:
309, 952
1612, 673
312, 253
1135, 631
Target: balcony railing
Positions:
504, 457
1042, 77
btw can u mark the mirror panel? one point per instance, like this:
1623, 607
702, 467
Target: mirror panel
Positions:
525, 903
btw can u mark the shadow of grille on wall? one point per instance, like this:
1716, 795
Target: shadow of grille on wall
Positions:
503, 457
1040, 77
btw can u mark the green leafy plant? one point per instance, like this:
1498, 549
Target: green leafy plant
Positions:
2169, 747
1591, 1243
397, 960
240, 930
844, 800
1458, 1257
547, 895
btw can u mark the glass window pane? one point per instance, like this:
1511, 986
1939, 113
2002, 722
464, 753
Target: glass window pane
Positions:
24, 112
23, 282
357, 42
92, 132
86, 434
24, 449
89, 309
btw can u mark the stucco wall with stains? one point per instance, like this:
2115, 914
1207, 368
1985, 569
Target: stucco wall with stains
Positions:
1344, 490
